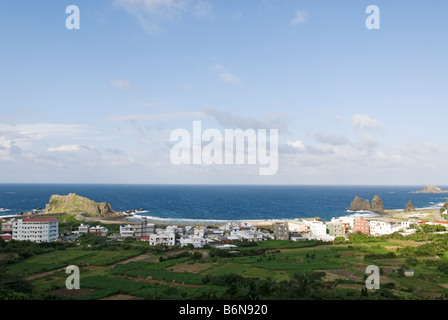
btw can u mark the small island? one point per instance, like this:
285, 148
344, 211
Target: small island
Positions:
431, 189
73, 203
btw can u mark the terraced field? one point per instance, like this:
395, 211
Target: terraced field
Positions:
176, 274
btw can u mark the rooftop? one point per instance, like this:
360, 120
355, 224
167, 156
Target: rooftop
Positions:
39, 220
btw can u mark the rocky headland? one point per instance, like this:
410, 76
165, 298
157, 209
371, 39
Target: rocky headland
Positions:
73, 203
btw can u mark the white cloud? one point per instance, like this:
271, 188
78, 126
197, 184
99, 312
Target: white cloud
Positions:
226, 76
230, 78
331, 139
152, 13
156, 116
218, 67
202, 10
120, 83
363, 121
229, 120
64, 148
296, 144
366, 142
38, 131
300, 18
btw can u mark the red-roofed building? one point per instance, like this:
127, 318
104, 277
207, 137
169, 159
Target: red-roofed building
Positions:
39, 219
6, 236
443, 223
36, 230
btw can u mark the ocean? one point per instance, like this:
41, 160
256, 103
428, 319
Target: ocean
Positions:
219, 202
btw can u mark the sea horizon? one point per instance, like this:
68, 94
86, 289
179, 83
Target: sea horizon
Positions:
199, 202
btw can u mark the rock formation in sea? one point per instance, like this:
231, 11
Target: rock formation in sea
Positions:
359, 204
409, 207
377, 205
444, 207
431, 189
72, 203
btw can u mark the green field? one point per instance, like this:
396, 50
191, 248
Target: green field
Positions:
269, 270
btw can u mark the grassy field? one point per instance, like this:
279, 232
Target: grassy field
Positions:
134, 272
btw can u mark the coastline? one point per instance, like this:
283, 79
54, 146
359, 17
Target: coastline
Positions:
389, 215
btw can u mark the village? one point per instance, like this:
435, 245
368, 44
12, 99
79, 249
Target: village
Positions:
223, 236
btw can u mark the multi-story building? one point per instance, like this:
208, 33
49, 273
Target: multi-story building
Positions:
83, 229
199, 232
298, 226
36, 230
250, 235
347, 221
99, 231
336, 229
144, 229
378, 228
361, 225
318, 228
141, 229
7, 226
197, 242
281, 230
162, 237
127, 230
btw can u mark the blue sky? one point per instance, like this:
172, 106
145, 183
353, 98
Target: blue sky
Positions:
98, 104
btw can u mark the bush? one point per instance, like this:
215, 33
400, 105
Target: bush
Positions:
411, 262
443, 267
377, 256
339, 240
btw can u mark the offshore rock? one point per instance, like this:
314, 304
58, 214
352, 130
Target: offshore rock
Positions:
409, 207
72, 203
431, 189
444, 207
377, 205
359, 204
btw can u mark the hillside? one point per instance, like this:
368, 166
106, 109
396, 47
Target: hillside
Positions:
72, 203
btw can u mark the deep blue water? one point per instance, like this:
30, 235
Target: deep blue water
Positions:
220, 202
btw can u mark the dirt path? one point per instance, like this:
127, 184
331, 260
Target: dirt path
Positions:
136, 258
153, 281
122, 297
42, 274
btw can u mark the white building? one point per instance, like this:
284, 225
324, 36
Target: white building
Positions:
318, 228
197, 242
249, 235
174, 229
127, 230
36, 230
401, 226
378, 228
344, 220
199, 232
83, 229
99, 231
162, 237
298, 226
